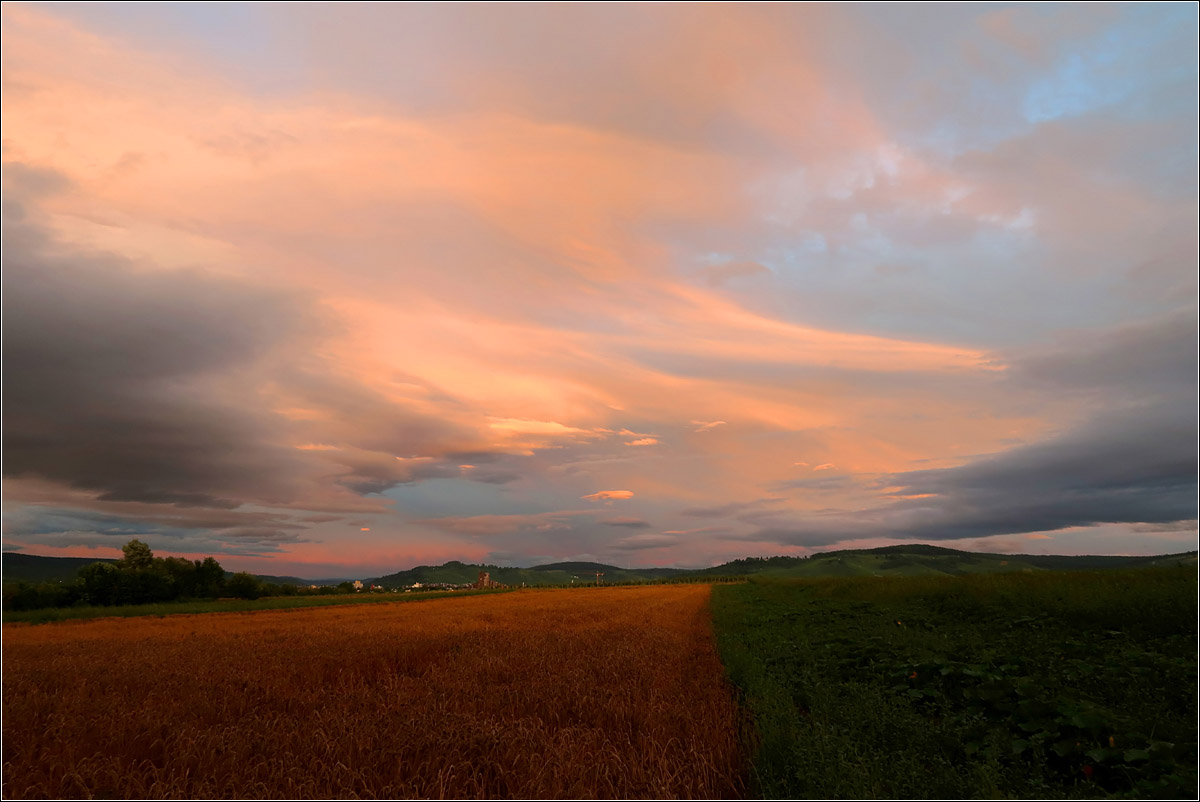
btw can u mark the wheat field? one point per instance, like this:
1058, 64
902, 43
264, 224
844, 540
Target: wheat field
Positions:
582, 693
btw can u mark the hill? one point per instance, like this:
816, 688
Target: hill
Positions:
458, 573
920, 559
906, 560
31, 568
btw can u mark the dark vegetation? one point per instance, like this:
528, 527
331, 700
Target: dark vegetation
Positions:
1030, 684
34, 569
916, 559
39, 583
138, 578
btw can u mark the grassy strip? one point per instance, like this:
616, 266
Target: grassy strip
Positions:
224, 606
1063, 685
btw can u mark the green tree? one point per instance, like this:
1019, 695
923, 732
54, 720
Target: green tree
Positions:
182, 573
244, 586
100, 583
210, 578
137, 555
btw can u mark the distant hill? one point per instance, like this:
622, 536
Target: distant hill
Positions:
18, 567
920, 559
590, 569
458, 573
905, 560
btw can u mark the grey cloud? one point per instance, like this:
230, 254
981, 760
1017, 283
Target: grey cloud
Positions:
261, 535
66, 527
374, 472
1132, 460
157, 386
125, 382
817, 483
732, 509
1136, 467
494, 477
1170, 526
627, 523
364, 419
639, 542
1135, 361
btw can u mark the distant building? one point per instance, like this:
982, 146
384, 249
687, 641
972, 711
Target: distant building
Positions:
485, 581
358, 585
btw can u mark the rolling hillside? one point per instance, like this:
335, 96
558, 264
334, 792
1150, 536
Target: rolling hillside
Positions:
907, 560
919, 559
31, 568
457, 573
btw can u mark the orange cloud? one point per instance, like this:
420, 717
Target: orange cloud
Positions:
608, 495
488, 280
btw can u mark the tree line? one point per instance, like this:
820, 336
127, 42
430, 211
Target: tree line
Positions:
141, 578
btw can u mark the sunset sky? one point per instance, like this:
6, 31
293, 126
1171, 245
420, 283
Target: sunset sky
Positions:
334, 290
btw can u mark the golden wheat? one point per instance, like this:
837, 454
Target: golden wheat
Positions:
586, 693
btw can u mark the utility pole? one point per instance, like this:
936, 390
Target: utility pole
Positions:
598, 575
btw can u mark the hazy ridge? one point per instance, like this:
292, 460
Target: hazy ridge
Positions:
903, 560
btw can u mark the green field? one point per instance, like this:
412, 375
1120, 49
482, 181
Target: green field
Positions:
993, 685
49, 614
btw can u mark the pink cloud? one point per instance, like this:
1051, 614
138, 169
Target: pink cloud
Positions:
550, 268
608, 495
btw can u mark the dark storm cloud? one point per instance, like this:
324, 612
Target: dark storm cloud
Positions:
161, 386
131, 383
1136, 467
241, 534
1133, 462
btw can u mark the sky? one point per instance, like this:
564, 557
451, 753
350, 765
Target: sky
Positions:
336, 290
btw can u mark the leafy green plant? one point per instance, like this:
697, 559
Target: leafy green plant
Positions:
1053, 685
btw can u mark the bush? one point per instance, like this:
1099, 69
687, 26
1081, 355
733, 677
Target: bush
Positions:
244, 586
